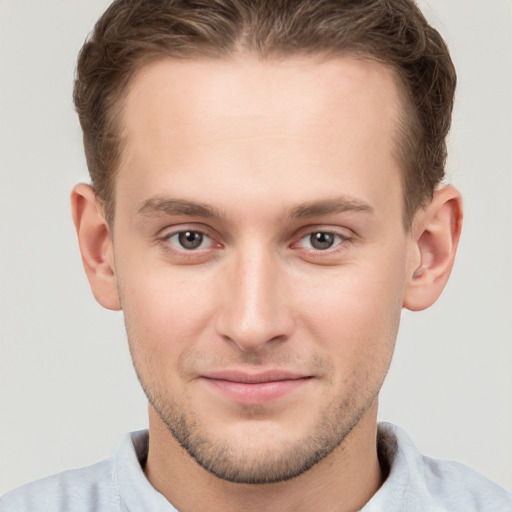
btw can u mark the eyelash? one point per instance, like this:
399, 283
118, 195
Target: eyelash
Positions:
325, 233
171, 247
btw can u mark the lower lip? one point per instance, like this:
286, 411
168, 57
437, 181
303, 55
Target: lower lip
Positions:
257, 393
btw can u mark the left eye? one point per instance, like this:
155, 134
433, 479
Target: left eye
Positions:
189, 240
321, 240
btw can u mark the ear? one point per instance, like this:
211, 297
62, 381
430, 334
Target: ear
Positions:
435, 231
95, 246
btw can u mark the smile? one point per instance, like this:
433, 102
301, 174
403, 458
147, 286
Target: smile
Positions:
255, 389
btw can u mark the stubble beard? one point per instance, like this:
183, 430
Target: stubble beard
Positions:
254, 465
263, 462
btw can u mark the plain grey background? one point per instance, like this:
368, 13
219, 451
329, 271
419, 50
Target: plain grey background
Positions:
67, 388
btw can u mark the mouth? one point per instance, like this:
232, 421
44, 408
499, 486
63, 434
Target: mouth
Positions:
255, 388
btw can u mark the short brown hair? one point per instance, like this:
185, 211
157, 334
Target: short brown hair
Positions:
132, 33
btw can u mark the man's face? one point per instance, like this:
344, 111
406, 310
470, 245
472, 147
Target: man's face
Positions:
260, 254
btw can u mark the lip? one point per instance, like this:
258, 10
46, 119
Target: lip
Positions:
255, 388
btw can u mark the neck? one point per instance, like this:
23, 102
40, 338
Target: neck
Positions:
344, 481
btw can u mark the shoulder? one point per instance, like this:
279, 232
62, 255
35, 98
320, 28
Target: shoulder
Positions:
416, 482
117, 484
82, 490
453, 485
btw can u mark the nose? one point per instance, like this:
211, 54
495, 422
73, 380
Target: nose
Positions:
255, 304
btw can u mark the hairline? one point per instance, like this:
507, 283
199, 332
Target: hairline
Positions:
406, 113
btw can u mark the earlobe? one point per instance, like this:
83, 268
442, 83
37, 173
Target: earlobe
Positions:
436, 232
95, 246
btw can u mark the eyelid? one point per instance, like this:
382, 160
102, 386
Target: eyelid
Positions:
204, 240
166, 233
344, 232
334, 235
347, 237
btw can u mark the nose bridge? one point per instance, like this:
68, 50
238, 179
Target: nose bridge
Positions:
254, 309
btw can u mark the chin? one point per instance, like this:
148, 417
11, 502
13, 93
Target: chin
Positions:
256, 451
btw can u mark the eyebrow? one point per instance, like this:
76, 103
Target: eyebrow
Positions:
329, 207
171, 206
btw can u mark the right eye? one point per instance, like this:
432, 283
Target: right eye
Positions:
189, 240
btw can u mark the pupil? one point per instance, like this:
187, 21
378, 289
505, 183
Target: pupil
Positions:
190, 239
321, 240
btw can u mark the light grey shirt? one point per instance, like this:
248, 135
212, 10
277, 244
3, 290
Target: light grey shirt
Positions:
414, 484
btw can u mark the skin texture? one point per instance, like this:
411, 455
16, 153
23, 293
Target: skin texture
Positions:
261, 163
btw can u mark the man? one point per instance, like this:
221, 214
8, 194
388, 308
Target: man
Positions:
266, 199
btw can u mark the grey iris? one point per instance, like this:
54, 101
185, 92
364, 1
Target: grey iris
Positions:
321, 240
190, 239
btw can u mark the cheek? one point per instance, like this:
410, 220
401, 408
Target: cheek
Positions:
360, 296
165, 316
355, 313
165, 308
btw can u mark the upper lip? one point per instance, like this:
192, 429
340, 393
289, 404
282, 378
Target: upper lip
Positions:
253, 378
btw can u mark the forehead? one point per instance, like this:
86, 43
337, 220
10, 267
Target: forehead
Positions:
196, 91
198, 124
